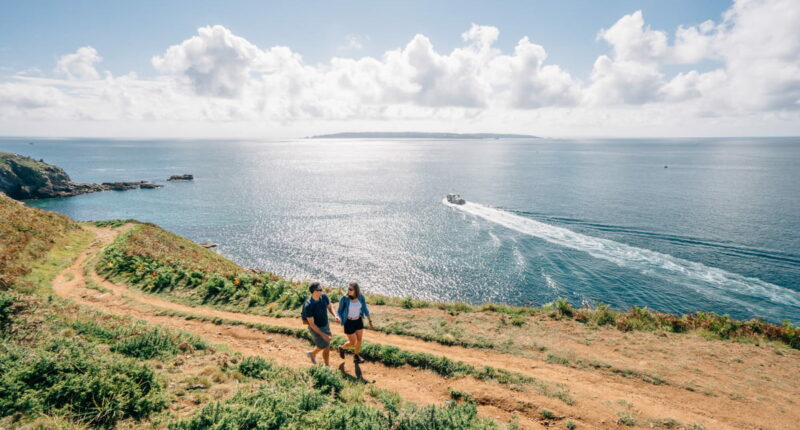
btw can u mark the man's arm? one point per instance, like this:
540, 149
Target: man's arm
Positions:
330, 309
316, 329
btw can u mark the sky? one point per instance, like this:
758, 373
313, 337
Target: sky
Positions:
259, 69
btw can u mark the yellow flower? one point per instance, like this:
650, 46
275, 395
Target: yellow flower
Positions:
110, 265
149, 287
236, 281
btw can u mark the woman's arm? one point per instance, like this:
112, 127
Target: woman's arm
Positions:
365, 310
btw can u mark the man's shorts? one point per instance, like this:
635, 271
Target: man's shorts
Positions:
318, 340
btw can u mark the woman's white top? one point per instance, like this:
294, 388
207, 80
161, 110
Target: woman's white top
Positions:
354, 310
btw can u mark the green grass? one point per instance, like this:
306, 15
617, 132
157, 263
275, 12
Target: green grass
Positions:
63, 253
292, 403
44, 369
27, 235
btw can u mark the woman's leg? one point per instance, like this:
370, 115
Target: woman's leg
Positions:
351, 341
359, 335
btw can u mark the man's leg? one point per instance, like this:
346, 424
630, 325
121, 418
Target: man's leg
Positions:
326, 355
312, 355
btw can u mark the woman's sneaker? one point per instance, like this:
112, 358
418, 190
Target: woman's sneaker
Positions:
311, 357
359, 359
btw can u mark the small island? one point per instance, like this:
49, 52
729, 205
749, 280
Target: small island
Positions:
420, 135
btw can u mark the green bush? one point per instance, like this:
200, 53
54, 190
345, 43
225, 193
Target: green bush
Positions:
8, 307
563, 308
148, 344
93, 330
603, 315
326, 379
455, 416
255, 367
518, 320
357, 417
74, 379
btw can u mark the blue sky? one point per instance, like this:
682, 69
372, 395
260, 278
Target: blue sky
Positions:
614, 68
36, 33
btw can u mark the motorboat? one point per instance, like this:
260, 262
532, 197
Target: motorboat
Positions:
455, 199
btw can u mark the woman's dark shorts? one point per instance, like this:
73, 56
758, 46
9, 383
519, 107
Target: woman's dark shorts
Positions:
352, 326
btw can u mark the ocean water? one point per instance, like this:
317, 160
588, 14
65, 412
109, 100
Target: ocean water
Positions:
588, 220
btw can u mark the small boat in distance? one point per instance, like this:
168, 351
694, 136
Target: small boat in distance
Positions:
455, 199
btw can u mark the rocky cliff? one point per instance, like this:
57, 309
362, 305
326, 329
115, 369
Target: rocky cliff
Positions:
26, 178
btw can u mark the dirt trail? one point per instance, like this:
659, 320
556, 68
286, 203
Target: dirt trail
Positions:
598, 397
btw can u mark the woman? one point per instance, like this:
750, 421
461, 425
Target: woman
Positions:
352, 310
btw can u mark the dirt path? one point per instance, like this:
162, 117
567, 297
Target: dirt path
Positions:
599, 398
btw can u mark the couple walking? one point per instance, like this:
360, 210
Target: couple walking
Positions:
350, 313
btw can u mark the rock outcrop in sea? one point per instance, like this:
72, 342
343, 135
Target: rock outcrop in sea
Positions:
26, 178
184, 177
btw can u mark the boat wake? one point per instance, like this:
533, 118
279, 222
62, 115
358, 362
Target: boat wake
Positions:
708, 281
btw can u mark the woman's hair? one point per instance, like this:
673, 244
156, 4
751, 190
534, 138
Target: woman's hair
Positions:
355, 287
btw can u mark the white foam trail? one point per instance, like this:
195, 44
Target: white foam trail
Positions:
644, 260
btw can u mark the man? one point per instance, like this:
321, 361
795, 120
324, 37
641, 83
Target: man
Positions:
314, 314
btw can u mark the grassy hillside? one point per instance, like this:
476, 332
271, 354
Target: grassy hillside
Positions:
26, 236
160, 262
66, 366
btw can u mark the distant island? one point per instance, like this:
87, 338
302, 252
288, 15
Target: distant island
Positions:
420, 135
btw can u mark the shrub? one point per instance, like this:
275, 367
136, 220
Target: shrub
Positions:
547, 414
455, 416
147, 344
326, 379
603, 315
626, 419
460, 395
518, 320
76, 380
563, 308
255, 367
357, 417
8, 308
93, 330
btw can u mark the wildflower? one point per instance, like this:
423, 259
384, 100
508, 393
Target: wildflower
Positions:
150, 287
110, 265
236, 281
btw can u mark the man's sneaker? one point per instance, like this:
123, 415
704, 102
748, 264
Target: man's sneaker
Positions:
311, 357
359, 358
341, 352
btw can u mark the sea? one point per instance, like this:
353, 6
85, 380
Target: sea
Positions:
676, 225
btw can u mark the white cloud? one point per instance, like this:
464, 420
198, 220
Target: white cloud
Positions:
80, 64
216, 77
215, 62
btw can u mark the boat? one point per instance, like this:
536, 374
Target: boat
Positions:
455, 199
